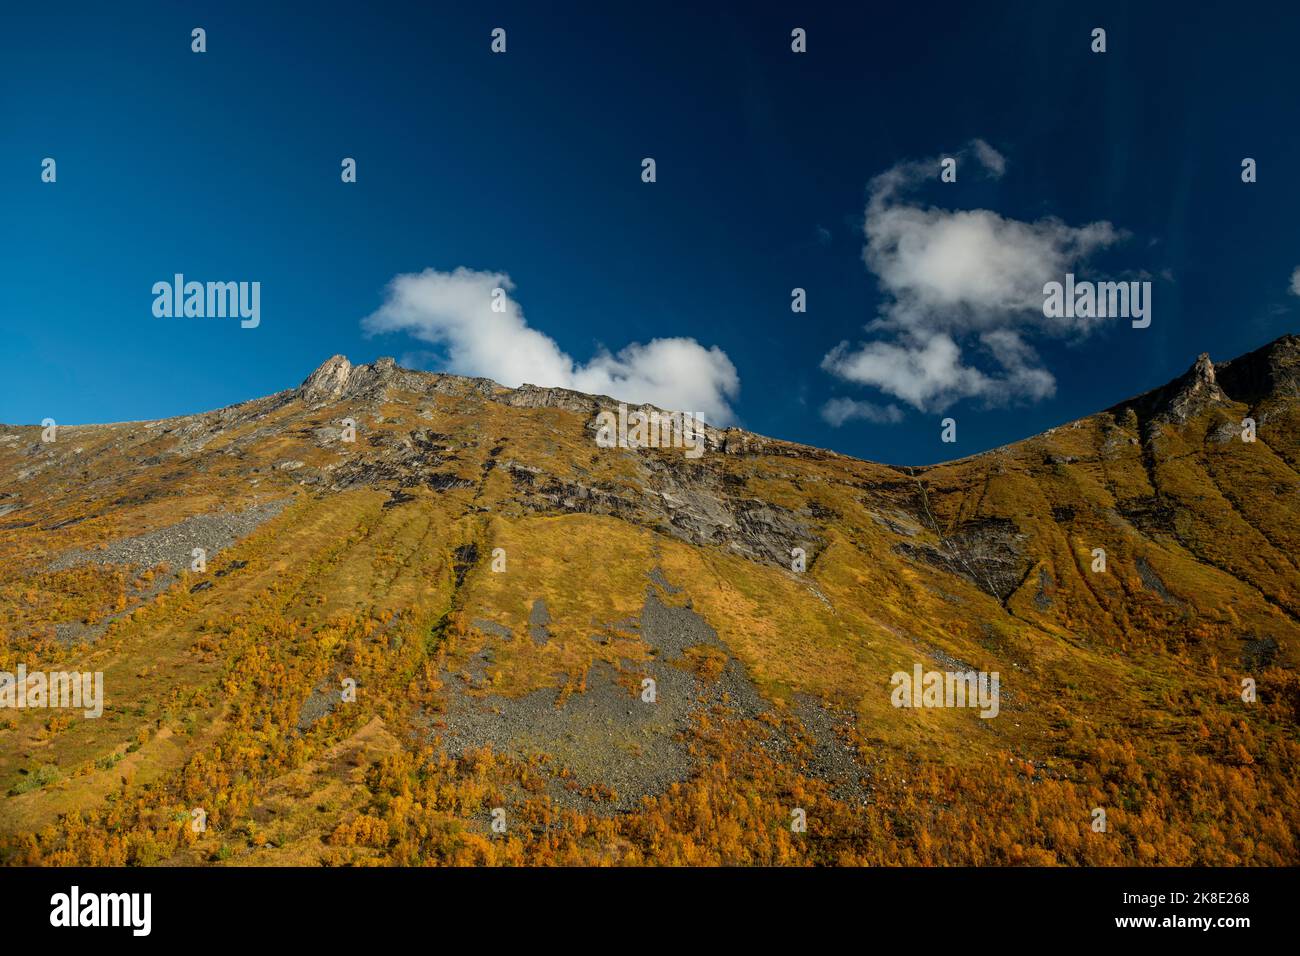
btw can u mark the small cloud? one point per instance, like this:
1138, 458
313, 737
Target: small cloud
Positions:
960, 285
453, 312
1295, 281
990, 158
823, 236
837, 411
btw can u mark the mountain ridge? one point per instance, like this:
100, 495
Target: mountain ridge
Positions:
1267, 371
499, 586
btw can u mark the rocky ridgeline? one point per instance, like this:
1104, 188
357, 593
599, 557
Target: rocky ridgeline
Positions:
337, 379
699, 501
689, 500
1269, 372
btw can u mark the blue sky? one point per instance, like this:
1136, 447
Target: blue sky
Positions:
225, 166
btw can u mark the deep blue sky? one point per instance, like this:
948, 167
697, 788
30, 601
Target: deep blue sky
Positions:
226, 166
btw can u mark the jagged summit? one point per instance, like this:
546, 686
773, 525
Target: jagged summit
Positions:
338, 378
1196, 389
1271, 371
328, 381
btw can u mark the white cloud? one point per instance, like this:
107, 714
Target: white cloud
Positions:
916, 373
953, 278
1295, 281
453, 310
1024, 374
837, 411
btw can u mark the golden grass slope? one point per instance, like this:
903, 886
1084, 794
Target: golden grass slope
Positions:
1121, 688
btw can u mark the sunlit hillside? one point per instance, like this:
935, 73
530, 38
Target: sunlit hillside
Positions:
472, 635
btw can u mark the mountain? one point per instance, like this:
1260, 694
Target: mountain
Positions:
436, 621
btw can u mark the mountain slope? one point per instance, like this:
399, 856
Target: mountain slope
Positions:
499, 588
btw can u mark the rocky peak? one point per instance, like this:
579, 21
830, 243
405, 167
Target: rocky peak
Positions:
328, 381
1196, 389
1185, 396
338, 378
1271, 371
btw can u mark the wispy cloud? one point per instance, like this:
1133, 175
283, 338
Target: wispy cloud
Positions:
454, 311
840, 410
963, 292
